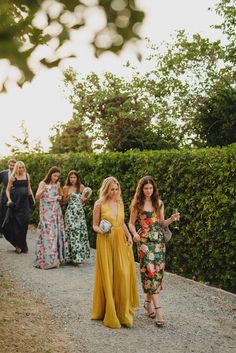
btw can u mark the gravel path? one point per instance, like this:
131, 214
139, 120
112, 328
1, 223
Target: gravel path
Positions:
199, 318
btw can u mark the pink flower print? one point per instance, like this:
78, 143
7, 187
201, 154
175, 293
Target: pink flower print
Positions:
151, 256
158, 248
150, 267
162, 266
157, 268
144, 248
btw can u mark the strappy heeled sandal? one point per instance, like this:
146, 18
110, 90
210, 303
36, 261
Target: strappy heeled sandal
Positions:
159, 323
151, 314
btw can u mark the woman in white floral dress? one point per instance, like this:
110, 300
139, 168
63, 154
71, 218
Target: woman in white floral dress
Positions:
77, 242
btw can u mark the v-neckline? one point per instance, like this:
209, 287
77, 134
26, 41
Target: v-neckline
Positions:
115, 217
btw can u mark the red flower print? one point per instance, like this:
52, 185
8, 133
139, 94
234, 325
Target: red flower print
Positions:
149, 221
150, 274
141, 254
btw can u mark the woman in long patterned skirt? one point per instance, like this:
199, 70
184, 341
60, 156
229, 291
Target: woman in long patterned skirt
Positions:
77, 242
148, 209
50, 242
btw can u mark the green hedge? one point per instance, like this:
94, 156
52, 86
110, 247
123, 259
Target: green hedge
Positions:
200, 183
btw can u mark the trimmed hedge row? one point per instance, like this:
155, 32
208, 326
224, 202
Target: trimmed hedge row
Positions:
199, 183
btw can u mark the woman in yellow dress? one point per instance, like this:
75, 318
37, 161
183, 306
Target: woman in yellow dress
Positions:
115, 289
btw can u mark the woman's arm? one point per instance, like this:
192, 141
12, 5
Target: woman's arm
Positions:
41, 189
30, 191
81, 189
127, 233
166, 222
60, 191
66, 194
97, 217
133, 217
9, 186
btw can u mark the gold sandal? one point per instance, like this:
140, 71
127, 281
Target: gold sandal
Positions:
159, 323
151, 314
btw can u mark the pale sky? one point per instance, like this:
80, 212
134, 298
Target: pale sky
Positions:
42, 103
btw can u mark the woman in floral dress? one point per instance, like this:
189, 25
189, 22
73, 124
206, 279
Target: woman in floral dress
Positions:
78, 248
148, 209
50, 241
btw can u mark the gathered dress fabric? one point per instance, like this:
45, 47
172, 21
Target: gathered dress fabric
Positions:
17, 216
4, 177
115, 288
76, 232
50, 236
151, 252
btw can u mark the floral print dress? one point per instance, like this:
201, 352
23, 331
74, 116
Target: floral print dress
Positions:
50, 238
77, 241
151, 252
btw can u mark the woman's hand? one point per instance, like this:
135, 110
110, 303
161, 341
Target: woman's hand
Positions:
136, 237
9, 202
130, 240
83, 200
175, 217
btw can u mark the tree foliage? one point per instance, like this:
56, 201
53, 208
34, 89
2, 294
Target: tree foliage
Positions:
188, 73
216, 117
27, 24
187, 99
115, 114
70, 137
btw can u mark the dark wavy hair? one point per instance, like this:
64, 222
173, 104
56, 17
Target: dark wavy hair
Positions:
78, 182
51, 171
138, 200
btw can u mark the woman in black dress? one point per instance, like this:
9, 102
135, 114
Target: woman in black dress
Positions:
17, 218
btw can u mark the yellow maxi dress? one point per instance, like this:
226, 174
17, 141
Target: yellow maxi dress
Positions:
115, 289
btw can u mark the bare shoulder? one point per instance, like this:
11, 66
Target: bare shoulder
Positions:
11, 178
42, 183
98, 204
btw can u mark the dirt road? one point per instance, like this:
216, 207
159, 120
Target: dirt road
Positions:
199, 318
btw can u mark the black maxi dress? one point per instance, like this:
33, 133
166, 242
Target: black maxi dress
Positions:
16, 222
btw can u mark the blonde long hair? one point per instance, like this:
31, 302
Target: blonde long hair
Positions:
15, 171
106, 188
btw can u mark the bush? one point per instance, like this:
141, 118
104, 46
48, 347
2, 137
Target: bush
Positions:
199, 183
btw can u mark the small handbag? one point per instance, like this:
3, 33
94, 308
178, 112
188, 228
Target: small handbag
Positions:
87, 192
105, 226
166, 233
